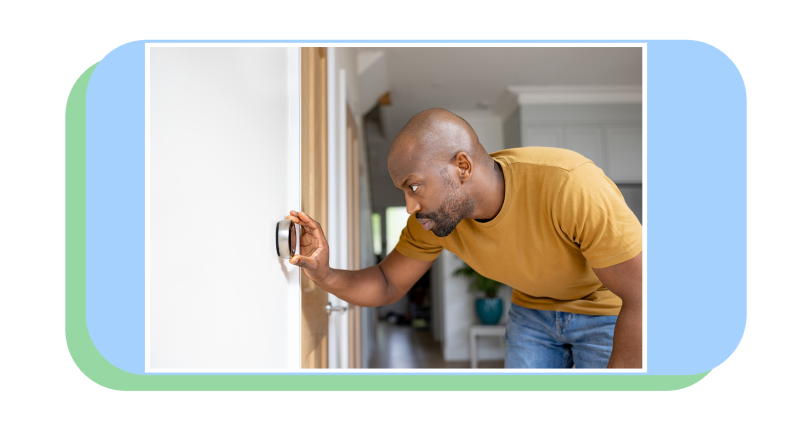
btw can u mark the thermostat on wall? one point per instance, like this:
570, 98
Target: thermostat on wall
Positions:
286, 239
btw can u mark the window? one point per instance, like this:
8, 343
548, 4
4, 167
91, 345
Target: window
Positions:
376, 232
395, 221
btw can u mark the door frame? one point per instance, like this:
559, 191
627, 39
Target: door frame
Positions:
353, 231
344, 332
338, 324
314, 171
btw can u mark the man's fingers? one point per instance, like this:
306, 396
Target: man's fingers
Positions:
303, 262
308, 221
304, 220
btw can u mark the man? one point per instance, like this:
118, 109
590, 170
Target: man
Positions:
545, 221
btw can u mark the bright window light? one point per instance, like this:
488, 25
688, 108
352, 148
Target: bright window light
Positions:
395, 221
376, 232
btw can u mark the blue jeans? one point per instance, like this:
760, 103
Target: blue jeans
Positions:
537, 339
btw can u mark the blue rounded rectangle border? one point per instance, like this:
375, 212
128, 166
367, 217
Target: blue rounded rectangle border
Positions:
697, 204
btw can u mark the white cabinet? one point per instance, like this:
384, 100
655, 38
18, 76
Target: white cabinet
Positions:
585, 140
624, 156
615, 148
543, 136
610, 135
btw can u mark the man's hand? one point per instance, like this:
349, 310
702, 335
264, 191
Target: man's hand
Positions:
626, 281
314, 257
374, 286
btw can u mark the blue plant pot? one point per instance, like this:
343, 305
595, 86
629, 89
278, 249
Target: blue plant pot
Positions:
489, 310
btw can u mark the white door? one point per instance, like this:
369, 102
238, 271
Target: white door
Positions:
222, 168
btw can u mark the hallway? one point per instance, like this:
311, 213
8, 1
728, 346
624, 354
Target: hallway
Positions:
402, 347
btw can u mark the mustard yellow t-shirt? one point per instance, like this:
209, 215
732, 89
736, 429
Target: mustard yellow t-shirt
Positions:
561, 217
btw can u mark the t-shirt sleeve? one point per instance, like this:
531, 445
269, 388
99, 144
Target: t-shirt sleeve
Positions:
417, 243
591, 213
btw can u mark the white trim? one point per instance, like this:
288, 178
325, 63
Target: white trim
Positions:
330, 43
644, 187
333, 179
558, 94
147, 207
406, 371
338, 337
343, 221
332, 224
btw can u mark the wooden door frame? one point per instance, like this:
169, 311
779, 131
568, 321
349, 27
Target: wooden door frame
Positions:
313, 99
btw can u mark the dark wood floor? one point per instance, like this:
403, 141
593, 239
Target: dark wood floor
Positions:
403, 347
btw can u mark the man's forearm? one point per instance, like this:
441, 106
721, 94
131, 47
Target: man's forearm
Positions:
367, 287
627, 337
625, 280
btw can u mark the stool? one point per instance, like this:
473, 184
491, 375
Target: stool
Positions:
482, 330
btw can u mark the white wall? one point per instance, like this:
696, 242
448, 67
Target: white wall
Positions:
459, 314
511, 131
372, 74
488, 128
220, 298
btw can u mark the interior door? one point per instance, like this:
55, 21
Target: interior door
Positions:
314, 327
222, 168
353, 217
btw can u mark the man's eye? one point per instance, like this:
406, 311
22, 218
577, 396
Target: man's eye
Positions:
413, 188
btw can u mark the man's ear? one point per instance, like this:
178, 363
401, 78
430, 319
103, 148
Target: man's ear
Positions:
464, 166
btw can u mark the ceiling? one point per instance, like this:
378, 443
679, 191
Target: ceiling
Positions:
460, 79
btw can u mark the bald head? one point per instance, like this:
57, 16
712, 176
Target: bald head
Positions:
440, 165
436, 136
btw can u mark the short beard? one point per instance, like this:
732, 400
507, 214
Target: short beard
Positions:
454, 209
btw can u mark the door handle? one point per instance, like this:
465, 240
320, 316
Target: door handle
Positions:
330, 308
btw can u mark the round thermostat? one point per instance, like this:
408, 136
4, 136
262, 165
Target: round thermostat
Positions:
286, 239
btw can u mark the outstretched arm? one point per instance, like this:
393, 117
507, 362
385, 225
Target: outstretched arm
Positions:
370, 287
626, 281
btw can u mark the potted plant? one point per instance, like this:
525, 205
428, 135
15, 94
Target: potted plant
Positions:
490, 307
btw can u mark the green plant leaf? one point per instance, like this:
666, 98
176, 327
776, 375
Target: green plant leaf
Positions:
477, 282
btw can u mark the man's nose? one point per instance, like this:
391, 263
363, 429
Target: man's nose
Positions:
412, 205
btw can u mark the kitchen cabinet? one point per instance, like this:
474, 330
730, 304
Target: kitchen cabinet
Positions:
610, 135
587, 141
615, 148
543, 136
624, 156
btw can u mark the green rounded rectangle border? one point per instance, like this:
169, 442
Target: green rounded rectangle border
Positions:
93, 366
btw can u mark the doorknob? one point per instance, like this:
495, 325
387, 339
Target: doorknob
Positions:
330, 308
285, 239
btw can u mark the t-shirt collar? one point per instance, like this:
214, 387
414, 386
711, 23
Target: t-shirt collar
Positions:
507, 186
